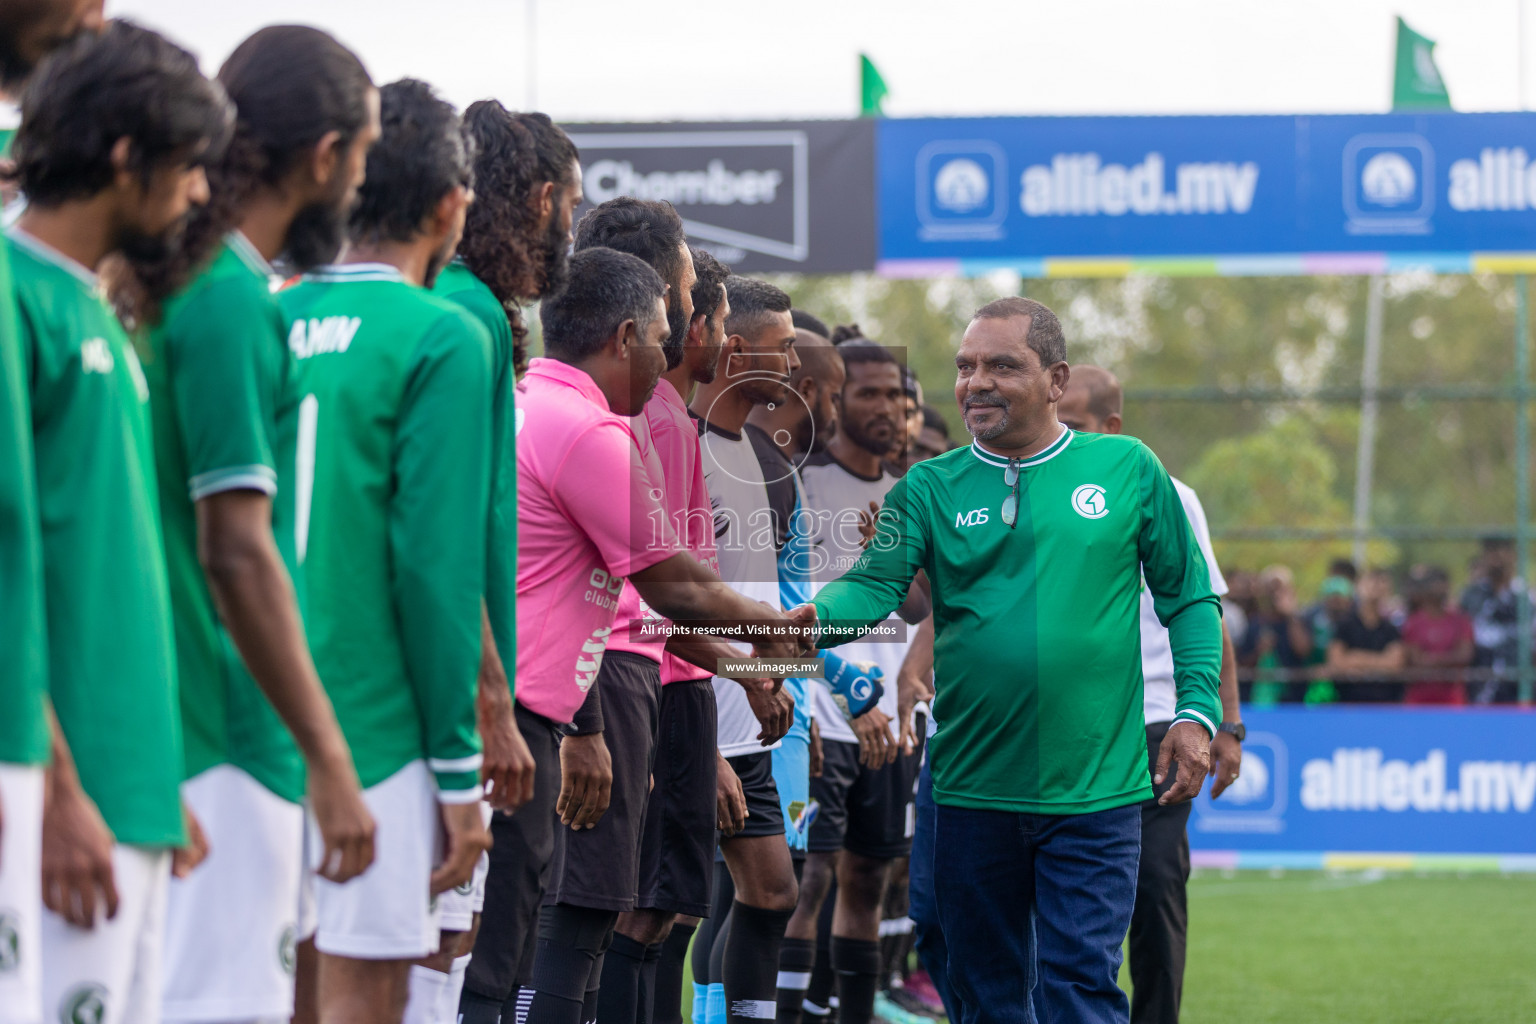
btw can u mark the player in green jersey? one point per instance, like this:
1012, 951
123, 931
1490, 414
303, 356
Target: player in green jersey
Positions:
224, 401
28, 31
114, 133
1036, 541
515, 249
394, 462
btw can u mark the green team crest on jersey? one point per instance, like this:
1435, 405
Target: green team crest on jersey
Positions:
10, 943
287, 950
84, 1004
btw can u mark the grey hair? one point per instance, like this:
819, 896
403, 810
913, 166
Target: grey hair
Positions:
1044, 334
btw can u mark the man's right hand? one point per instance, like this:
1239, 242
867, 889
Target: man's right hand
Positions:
467, 838
77, 856
876, 748
730, 800
586, 780
774, 709
507, 767
346, 825
910, 689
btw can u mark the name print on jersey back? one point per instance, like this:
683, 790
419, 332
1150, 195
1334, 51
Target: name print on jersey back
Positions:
318, 335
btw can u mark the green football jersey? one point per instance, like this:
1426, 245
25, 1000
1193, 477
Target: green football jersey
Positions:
393, 492
224, 404
458, 282
111, 656
24, 684
1037, 651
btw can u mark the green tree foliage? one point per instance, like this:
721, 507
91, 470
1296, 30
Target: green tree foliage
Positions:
1261, 462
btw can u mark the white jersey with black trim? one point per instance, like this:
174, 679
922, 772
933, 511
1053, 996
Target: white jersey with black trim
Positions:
834, 498
1156, 655
744, 541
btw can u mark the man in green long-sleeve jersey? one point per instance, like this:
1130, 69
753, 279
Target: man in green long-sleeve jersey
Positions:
1035, 540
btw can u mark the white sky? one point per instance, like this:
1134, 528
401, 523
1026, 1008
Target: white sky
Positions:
639, 60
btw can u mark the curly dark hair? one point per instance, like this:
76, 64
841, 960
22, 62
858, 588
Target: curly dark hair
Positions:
422, 155
516, 153
845, 332
709, 287
291, 85
127, 82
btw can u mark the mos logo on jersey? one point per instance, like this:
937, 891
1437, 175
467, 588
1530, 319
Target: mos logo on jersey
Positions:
84, 1004
975, 517
1090, 502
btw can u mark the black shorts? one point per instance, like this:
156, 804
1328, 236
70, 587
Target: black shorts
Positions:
865, 812
519, 871
765, 815
678, 845
599, 867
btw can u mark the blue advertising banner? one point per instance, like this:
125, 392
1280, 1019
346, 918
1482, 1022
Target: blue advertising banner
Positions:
1400, 781
1271, 194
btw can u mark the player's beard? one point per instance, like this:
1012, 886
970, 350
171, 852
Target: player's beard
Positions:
147, 254
316, 234
871, 444
821, 427
438, 261
556, 259
14, 68
677, 323
997, 429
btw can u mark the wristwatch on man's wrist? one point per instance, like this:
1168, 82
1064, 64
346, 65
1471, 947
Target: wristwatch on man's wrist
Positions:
1237, 729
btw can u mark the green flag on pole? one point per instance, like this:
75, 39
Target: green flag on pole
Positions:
872, 90
1418, 85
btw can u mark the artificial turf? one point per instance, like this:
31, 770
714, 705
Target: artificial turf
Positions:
1360, 948
1304, 947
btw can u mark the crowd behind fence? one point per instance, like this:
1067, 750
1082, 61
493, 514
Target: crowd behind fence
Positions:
1371, 636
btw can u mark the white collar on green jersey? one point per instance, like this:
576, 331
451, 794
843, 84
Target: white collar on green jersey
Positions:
1055, 448
43, 251
248, 252
342, 272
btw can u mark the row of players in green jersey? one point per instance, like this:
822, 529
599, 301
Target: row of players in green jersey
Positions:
378, 518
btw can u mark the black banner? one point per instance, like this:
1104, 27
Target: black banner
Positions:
785, 196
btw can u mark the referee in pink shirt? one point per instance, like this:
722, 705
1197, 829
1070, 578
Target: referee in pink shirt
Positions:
589, 518
662, 835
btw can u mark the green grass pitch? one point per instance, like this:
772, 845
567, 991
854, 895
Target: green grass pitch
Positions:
1360, 948
1303, 947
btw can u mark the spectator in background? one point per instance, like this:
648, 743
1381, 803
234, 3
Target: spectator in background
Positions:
1336, 601
1276, 637
1237, 604
1492, 599
1435, 636
933, 439
1367, 642
912, 421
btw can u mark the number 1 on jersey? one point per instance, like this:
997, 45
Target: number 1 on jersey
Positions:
304, 472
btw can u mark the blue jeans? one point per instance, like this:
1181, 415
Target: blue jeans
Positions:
1034, 908
923, 908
